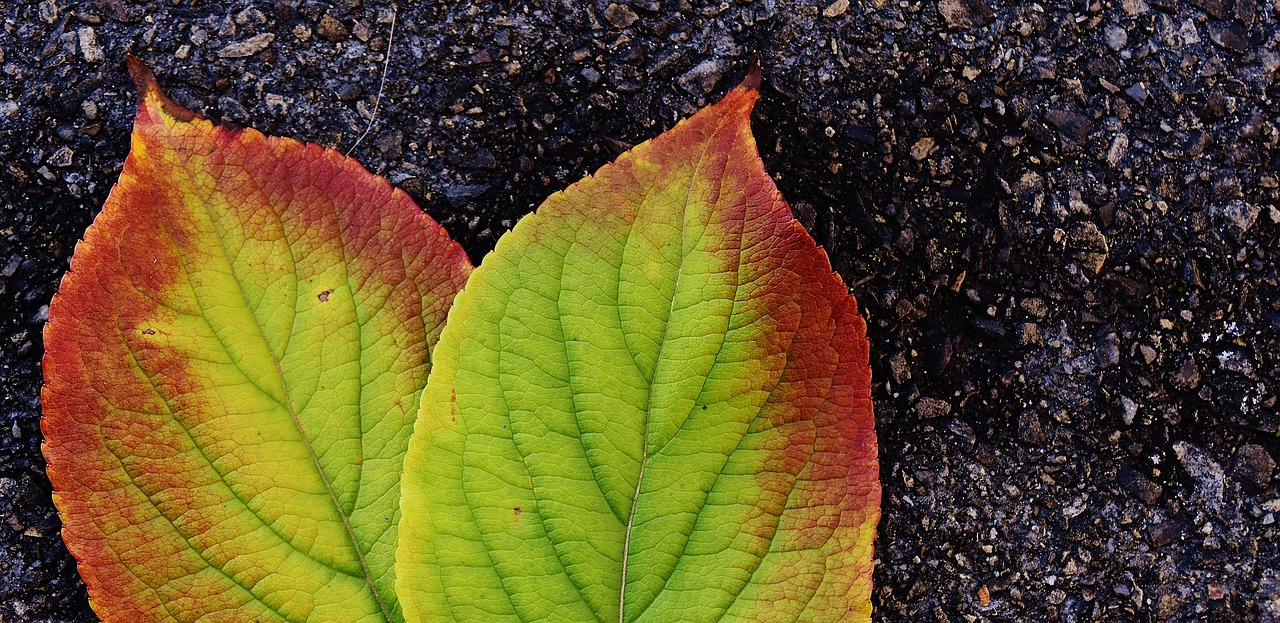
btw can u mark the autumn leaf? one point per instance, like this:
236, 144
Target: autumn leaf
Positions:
650, 403
232, 370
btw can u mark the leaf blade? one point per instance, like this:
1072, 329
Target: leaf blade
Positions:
651, 402
232, 366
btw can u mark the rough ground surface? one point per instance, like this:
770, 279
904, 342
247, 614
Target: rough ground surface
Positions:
1061, 221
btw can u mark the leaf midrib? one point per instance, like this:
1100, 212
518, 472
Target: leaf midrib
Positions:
284, 388
653, 381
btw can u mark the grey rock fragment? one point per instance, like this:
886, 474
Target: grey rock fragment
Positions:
248, 47
1209, 477
1238, 216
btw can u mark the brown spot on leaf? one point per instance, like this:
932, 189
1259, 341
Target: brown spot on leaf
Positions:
324, 296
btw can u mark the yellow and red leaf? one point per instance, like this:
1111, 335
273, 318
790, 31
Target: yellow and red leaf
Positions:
233, 367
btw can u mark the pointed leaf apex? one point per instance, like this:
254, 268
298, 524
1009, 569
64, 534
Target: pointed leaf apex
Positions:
144, 81
752, 81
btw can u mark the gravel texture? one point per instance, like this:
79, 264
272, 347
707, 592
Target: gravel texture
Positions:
1061, 220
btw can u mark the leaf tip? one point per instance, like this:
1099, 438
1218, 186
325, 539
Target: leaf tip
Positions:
752, 81
144, 81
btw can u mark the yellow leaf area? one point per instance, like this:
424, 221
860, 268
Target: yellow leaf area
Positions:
651, 403
233, 367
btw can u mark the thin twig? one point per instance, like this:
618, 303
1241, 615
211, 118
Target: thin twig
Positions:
377, 100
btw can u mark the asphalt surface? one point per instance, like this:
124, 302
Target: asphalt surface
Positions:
1061, 220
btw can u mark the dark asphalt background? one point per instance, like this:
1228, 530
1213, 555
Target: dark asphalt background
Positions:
1060, 219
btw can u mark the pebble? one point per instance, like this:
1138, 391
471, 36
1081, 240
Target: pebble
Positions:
930, 408
1090, 246
963, 14
248, 47
836, 9
1188, 376
1139, 485
922, 148
1108, 352
1030, 430
1254, 466
1029, 334
89, 45
1072, 125
1116, 37
1229, 35
1134, 7
63, 157
1209, 477
1238, 216
331, 30
1035, 306
620, 15
1128, 410
1138, 92
1164, 533
704, 76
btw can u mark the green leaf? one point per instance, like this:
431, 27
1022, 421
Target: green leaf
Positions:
650, 403
232, 370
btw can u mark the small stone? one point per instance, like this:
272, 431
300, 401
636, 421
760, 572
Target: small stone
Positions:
1030, 430
1128, 410
89, 45
390, 144
1209, 477
1238, 216
48, 11
836, 9
248, 47
1148, 353
966, 13
302, 32
1072, 125
1138, 92
331, 30
62, 158
1036, 307
1134, 7
1108, 353
620, 15
702, 79
361, 30
1229, 35
1116, 37
1164, 533
1220, 9
1139, 485
1119, 147
1254, 466
1029, 334
8, 108
1089, 245
899, 369
922, 148
183, 51
1188, 376
930, 408
590, 74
